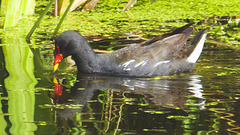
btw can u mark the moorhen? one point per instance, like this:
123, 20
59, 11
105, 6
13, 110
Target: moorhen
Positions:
162, 55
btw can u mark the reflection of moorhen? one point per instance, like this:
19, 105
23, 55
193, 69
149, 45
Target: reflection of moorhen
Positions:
162, 93
162, 55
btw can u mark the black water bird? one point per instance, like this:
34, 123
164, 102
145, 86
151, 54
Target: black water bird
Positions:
162, 55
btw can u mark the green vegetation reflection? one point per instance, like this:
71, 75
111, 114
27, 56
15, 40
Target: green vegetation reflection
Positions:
20, 84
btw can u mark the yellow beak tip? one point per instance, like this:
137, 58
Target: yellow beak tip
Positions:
55, 67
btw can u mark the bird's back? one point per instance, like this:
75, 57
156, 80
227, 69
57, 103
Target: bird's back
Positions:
163, 55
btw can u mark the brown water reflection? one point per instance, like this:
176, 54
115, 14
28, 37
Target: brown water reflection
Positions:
115, 94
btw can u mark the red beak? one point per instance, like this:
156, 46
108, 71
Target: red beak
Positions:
58, 58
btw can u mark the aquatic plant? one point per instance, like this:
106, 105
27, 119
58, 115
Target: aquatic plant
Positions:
14, 9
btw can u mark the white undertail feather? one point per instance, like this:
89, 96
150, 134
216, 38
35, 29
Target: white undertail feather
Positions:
197, 51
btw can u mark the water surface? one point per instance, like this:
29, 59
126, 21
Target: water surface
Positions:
201, 102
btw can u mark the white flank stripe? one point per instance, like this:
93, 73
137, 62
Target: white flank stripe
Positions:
140, 63
197, 51
127, 63
161, 62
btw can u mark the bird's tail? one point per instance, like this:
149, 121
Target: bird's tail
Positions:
197, 43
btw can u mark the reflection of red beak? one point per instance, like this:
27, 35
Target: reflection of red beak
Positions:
57, 89
58, 58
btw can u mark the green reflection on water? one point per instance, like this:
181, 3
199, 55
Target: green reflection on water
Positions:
20, 85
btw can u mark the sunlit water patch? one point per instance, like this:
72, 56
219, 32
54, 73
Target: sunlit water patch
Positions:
201, 102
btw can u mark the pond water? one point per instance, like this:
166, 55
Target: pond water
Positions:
202, 102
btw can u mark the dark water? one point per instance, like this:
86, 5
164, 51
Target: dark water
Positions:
202, 102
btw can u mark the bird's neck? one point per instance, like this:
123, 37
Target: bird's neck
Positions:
86, 59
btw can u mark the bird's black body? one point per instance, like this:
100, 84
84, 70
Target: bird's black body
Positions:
163, 55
